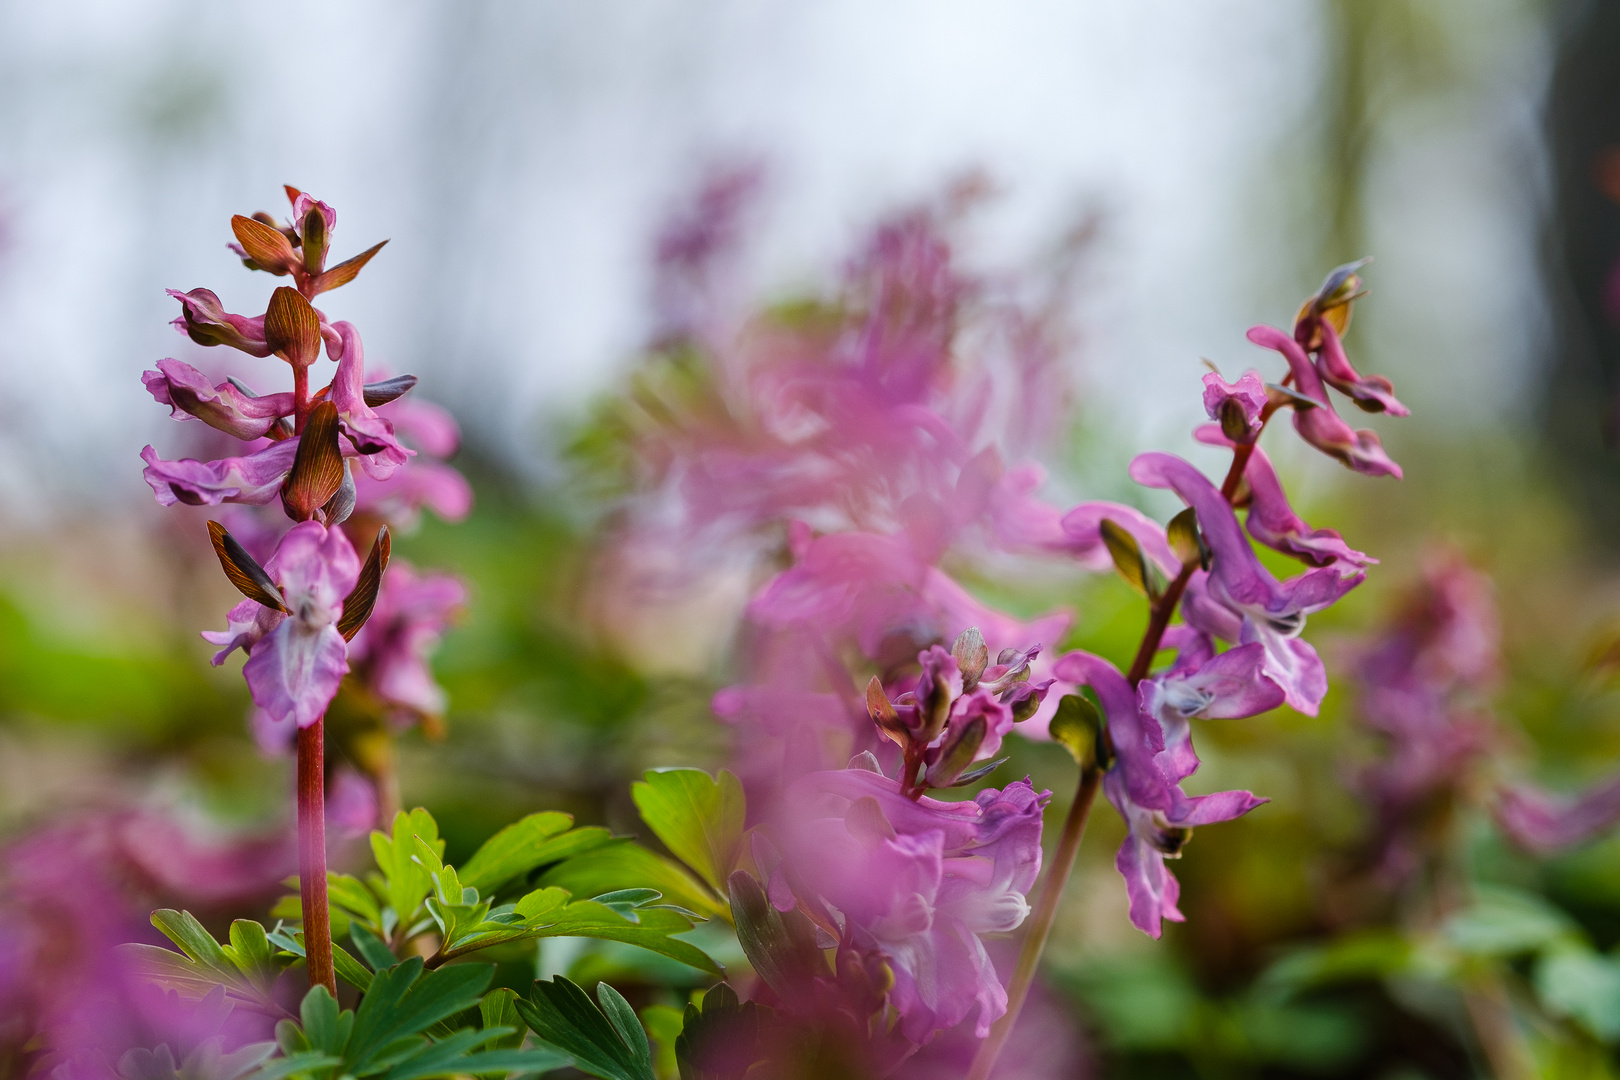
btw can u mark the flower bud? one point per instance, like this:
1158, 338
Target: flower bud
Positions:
957, 752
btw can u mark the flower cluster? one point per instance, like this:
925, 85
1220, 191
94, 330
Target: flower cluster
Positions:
345, 462
1205, 564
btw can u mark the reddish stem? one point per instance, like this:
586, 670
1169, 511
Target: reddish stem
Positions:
312, 855
300, 399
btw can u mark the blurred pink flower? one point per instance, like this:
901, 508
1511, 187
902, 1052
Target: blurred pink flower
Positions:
917, 882
390, 653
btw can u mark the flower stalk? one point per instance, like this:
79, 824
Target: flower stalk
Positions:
312, 855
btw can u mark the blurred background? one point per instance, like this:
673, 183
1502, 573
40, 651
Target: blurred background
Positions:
1200, 166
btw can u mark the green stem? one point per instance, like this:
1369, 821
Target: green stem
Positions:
1040, 923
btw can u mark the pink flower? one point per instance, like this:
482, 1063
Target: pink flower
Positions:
227, 406
1236, 407
1144, 782
204, 319
1273, 612
916, 881
371, 435
1318, 424
255, 478
1373, 393
1545, 823
296, 661
1272, 520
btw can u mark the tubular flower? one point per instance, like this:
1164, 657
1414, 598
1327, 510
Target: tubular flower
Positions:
297, 658
1373, 393
1314, 417
1272, 521
1273, 612
255, 478
915, 881
1144, 781
228, 406
1236, 407
371, 435
412, 613
204, 320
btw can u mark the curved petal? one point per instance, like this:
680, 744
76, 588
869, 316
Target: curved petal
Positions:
294, 673
255, 478
190, 396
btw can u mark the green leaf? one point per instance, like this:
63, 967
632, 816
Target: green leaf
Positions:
405, 1001
781, 945
307, 1063
372, 949
1372, 955
721, 1039
663, 1024
407, 881
698, 818
548, 913
605, 1045
1584, 986
326, 1028
250, 951
623, 865
1505, 922
499, 1009
350, 970
526, 844
185, 931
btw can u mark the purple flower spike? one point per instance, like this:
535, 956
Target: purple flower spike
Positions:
1319, 425
1236, 406
190, 395
204, 319
255, 478
293, 672
1374, 393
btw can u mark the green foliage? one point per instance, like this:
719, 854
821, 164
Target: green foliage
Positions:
392, 1034
698, 818
606, 1042
415, 891
623, 865
780, 944
207, 1062
721, 1040
246, 968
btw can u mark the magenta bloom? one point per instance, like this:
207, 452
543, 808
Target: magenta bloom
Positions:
1374, 393
1545, 823
1319, 424
1272, 520
371, 435
255, 478
226, 407
1273, 612
1236, 407
204, 319
1083, 525
296, 661
917, 881
1144, 783
412, 613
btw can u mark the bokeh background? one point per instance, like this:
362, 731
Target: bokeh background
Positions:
1214, 161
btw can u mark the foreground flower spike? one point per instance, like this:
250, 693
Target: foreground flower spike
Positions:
312, 596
